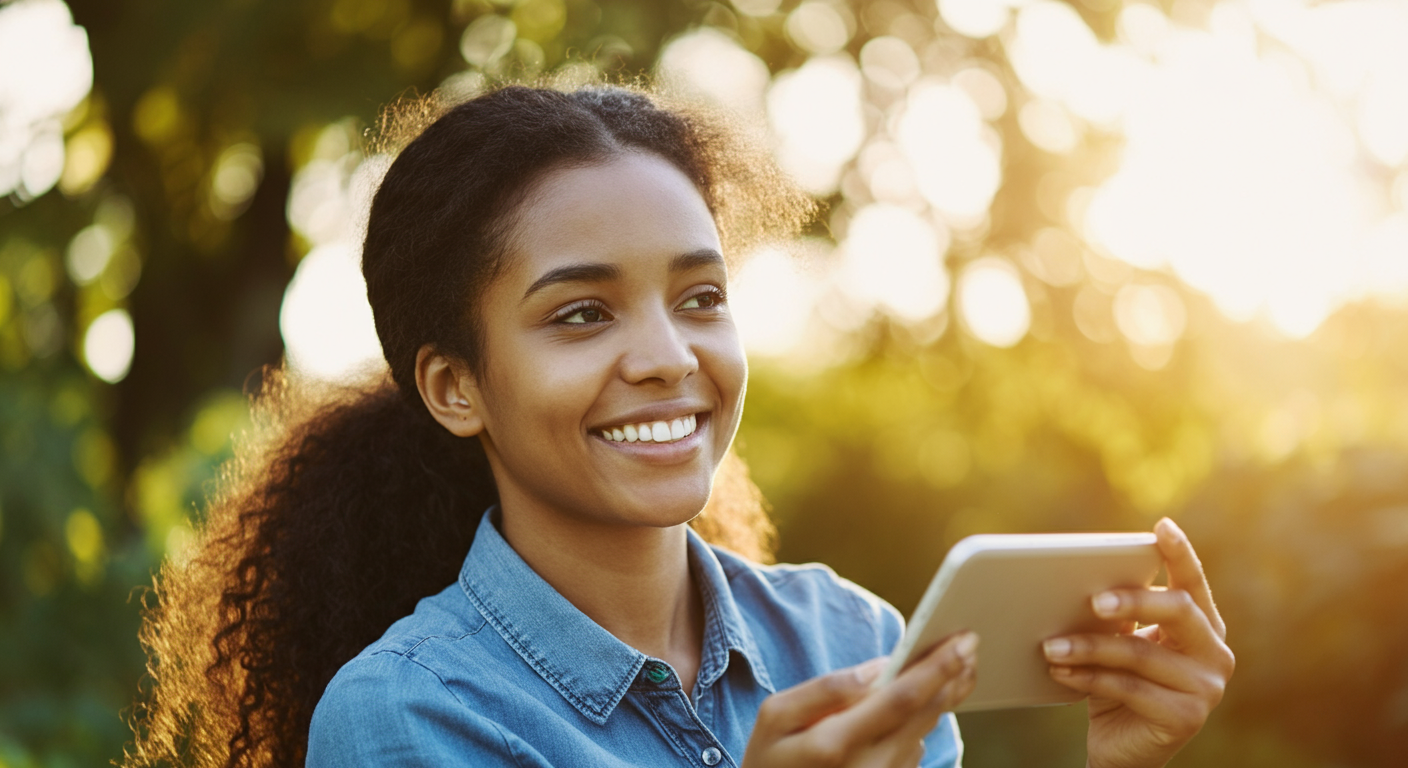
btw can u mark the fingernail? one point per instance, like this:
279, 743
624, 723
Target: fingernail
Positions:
1057, 647
1061, 671
967, 647
1105, 603
1169, 530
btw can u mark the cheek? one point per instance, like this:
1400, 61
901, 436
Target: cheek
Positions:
557, 390
536, 390
728, 367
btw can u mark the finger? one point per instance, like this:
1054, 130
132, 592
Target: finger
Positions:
1178, 714
949, 696
890, 753
1221, 657
912, 693
1182, 624
797, 707
1146, 659
1185, 571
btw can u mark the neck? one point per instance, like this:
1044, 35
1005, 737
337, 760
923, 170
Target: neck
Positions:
635, 582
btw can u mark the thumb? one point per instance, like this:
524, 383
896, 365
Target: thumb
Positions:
802, 705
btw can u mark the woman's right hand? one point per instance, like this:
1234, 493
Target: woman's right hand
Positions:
837, 720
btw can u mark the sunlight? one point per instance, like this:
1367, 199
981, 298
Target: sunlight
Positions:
992, 303
108, 345
893, 258
974, 18
1246, 177
889, 63
1150, 315
816, 117
820, 27
45, 71
955, 155
706, 62
771, 301
325, 320
235, 179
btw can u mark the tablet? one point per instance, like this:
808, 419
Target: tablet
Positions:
1014, 591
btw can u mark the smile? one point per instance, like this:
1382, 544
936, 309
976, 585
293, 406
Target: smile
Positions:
651, 432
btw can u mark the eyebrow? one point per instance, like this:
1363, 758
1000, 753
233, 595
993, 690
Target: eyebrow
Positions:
596, 272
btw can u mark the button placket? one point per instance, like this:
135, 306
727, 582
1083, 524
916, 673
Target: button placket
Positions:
674, 711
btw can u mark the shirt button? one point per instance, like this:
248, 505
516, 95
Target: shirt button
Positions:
657, 673
711, 756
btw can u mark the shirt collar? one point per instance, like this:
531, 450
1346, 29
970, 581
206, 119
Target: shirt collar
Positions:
725, 630
583, 662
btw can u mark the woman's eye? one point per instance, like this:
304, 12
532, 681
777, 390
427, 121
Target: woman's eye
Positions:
707, 300
587, 315
584, 315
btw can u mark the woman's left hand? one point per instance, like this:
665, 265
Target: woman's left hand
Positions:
1152, 689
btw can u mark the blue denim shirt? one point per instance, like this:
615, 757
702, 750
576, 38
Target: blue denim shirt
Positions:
501, 670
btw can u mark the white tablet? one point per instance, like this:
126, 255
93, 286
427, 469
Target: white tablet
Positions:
1014, 591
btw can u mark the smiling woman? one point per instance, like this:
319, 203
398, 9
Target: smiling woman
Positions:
529, 545
536, 311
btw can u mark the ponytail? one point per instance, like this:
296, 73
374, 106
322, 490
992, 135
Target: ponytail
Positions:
347, 506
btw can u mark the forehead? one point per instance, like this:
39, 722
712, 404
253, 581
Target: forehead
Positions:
632, 206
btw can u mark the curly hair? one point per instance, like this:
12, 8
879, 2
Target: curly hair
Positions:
348, 503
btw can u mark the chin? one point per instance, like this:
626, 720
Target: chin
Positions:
662, 509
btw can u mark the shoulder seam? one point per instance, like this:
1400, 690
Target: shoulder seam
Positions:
437, 676
407, 653
503, 737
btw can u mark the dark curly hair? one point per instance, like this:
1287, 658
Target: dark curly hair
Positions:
349, 503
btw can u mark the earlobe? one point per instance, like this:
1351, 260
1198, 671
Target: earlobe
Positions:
449, 392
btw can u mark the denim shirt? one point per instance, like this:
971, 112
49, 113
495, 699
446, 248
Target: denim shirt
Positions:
501, 670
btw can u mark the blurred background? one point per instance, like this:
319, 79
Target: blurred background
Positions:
1082, 264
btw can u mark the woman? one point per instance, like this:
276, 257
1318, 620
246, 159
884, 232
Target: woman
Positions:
548, 279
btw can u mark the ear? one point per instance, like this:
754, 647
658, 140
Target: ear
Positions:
450, 392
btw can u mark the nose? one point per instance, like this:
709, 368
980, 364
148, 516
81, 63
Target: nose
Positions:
657, 350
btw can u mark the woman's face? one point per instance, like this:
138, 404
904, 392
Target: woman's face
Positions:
609, 323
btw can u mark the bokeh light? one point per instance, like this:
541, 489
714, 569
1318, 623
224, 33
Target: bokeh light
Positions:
893, 258
974, 18
815, 112
108, 345
238, 170
45, 71
992, 302
707, 63
771, 300
325, 320
955, 155
819, 26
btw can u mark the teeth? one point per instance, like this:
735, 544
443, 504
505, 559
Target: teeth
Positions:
653, 432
